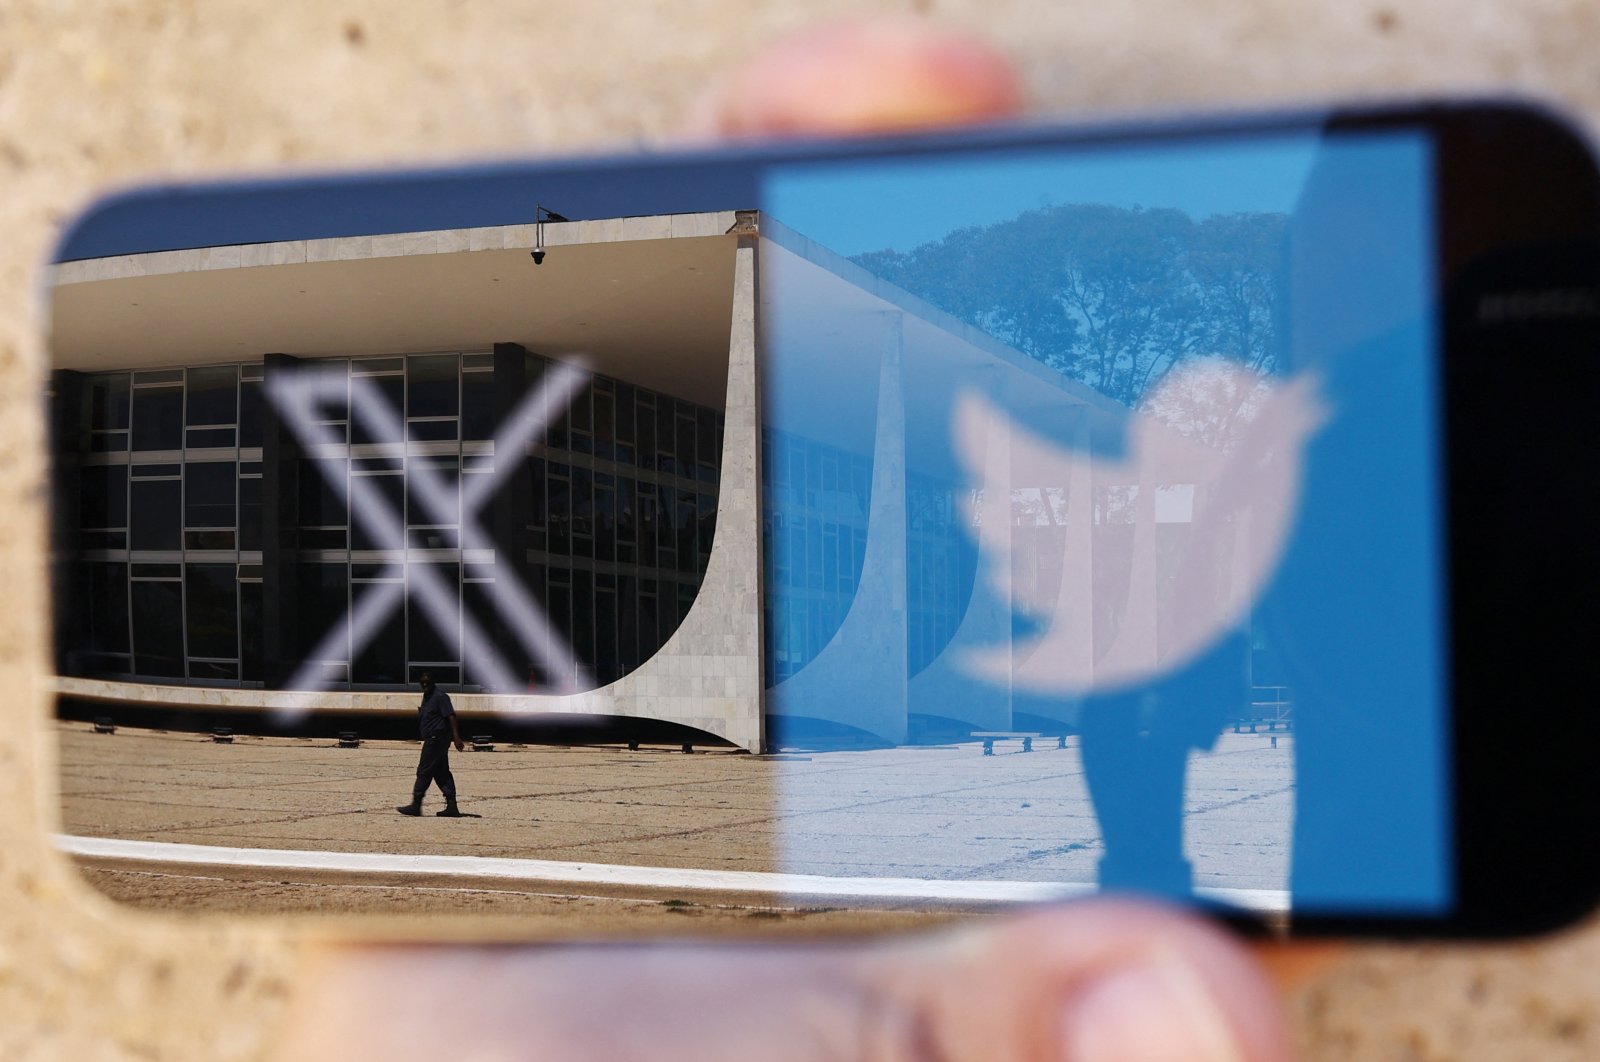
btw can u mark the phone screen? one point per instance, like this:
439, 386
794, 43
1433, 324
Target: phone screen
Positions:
1123, 461
1046, 517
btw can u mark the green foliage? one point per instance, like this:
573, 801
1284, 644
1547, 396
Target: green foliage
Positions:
1110, 296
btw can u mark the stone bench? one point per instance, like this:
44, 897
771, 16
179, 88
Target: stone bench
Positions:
989, 737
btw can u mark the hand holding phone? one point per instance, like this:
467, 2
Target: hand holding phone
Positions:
772, 94
1103, 722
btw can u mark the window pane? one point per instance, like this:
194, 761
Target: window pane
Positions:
605, 518
607, 668
431, 381
158, 571
432, 430
686, 430
666, 536
104, 496
481, 608
390, 534
665, 452
583, 617
626, 517
384, 429
250, 631
158, 639
383, 661
582, 512
324, 607
210, 595
158, 418
155, 514
443, 674
213, 670
558, 604
559, 508
208, 495
108, 608
250, 514
321, 492
204, 438
212, 396
605, 427
333, 388
435, 480
647, 435
627, 623
536, 502
322, 538
579, 415
428, 641
218, 538
645, 500
250, 411
108, 401
624, 414
478, 533
477, 405
687, 528
649, 635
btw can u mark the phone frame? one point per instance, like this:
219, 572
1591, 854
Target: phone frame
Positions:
1517, 203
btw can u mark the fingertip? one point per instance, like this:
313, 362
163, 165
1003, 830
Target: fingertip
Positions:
860, 76
1108, 980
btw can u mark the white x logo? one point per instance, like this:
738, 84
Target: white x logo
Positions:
297, 396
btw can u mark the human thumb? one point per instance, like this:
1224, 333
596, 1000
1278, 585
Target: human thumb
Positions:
1097, 981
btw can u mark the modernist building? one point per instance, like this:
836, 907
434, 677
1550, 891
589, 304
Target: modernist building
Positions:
690, 553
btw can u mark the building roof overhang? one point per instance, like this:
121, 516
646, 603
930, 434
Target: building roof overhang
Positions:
644, 299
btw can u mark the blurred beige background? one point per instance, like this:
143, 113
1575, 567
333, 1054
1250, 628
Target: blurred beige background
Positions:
93, 95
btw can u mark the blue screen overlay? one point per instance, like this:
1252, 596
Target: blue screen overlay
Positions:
1102, 521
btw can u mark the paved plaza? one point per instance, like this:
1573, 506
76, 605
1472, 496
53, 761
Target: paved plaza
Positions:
943, 813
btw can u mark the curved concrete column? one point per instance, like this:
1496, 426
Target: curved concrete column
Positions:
948, 686
708, 674
859, 677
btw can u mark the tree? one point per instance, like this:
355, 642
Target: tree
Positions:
1111, 296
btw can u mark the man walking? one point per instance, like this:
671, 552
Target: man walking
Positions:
439, 729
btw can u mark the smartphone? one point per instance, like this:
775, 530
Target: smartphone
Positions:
845, 534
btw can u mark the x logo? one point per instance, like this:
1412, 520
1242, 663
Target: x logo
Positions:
297, 397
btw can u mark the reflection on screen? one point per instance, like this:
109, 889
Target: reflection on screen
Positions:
1101, 520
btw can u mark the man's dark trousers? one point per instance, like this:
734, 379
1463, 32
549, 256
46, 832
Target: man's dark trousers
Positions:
434, 766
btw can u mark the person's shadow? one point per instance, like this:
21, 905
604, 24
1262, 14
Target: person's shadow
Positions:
1136, 748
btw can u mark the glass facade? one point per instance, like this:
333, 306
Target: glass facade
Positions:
174, 487
816, 501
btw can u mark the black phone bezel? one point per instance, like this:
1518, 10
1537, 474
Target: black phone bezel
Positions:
1518, 293
1517, 200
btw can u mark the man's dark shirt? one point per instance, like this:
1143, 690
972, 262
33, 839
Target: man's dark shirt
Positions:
435, 711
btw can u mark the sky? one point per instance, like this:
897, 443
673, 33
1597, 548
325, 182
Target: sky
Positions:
842, 205
899, 204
